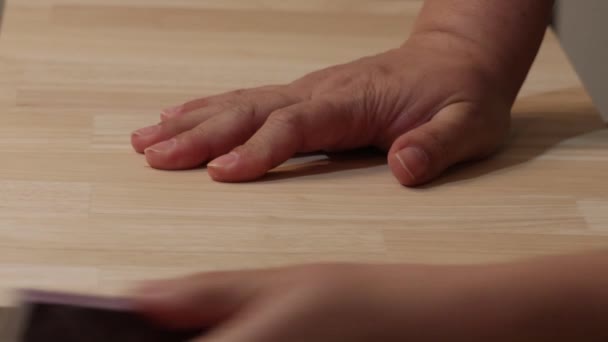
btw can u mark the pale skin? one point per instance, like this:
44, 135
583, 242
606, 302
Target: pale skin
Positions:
441, 98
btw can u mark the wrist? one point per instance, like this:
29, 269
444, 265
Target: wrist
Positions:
571, 294
503, 35
497, 75
547, 299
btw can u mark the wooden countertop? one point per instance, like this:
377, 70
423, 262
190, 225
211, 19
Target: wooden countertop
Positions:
79, 210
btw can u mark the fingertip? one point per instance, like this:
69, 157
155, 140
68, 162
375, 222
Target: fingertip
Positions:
136, 143
238, 166
162, 155
220, 169
141, 138
225, 162
411, 165
215, 175
403, 177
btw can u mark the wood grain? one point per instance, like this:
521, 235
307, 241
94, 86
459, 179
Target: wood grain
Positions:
79, 210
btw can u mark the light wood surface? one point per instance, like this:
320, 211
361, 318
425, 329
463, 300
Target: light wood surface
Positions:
79, 210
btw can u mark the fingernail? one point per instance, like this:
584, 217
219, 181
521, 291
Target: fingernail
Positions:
224, 161
414, 161
147, 130
162, 147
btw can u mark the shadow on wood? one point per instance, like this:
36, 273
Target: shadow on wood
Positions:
536, 128
366, 158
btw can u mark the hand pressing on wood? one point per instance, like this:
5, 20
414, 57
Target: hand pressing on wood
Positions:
441, 98
428, 107
534, 300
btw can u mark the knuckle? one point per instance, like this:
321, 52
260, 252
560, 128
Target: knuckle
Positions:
169, 127
437, 146
240, 105
278, 95
199, 130
286, 118
345, 85
340, 82
243, 105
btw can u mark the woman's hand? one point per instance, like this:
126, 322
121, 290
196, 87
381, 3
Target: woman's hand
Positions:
431, 103
562, 298
318, 303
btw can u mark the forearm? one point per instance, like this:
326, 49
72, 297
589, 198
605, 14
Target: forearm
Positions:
502, 36
554, 299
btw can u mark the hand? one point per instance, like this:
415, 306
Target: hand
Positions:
431, 103
556, 298
319, 303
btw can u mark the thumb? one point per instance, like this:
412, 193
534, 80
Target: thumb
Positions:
456, 134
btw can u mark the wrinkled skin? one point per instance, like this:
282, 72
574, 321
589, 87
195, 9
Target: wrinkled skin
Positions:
429, 106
